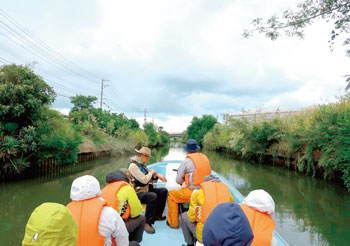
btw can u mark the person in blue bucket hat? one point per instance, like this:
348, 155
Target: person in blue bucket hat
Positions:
192, 172
227, 225
192, 146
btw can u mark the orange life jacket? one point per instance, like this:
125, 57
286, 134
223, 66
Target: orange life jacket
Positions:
202, 169
262, 226
109, 193
215, 193
87, 215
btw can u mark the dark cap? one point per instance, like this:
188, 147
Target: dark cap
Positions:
117, 176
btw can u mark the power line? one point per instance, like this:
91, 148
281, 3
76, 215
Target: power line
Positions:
55, 84
127, 103
28, 41
23, 29
37, 51
109, 107
40, 50
62, 95
4, 61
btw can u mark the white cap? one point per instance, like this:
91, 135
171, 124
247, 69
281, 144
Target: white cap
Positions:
261, 201
85, 187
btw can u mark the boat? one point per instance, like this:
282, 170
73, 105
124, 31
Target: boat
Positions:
173, 237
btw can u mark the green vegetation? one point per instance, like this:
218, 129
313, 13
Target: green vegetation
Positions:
314, 141
102, 126
199, 127
31, 132
157, 136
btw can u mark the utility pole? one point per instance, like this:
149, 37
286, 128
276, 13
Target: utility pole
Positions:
145, 113
102, 87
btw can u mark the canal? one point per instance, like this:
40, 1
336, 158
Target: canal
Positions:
308, 211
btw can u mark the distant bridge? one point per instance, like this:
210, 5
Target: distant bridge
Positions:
176, 135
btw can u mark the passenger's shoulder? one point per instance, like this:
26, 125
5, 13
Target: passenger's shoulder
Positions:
133, 165
128, 188
187, 161
109, 212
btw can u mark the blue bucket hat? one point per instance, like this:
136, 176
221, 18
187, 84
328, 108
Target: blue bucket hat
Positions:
192, 145
227, 225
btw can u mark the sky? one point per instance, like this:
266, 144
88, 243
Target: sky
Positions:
176, 59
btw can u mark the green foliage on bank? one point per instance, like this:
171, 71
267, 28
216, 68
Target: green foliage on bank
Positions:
156, 135
314, 140
101, 126
30, 132
199, 127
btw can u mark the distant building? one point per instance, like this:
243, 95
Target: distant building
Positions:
268, 115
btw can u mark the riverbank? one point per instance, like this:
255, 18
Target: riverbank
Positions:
88, 151
315, 141
281, 160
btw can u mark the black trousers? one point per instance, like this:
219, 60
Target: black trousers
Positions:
135, 227
155, 200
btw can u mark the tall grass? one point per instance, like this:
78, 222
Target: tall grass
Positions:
316, 140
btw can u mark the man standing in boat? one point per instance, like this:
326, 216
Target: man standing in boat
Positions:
192, 171
142, 178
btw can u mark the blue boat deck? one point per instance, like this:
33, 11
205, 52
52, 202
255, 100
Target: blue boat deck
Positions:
164, 236
173, 237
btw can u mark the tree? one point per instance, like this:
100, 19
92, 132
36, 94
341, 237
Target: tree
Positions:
81, 102
293, 23
200, 126
150, 130
163, 137
133, 124
28, 128
22, 97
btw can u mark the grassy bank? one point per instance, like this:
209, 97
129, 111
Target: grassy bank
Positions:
316, 140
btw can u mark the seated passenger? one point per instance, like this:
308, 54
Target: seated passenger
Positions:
227, 225
154, 198
51, 224
192, 171
258, 206
97, 222
203, 201
121, 196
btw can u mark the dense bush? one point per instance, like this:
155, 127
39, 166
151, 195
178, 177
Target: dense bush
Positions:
156, 135
29, 131
200, 126
314, 139
57, 138
102, 125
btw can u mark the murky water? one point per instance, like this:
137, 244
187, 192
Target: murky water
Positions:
308, 211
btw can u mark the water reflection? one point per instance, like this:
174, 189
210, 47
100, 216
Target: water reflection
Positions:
308, 211
177, 153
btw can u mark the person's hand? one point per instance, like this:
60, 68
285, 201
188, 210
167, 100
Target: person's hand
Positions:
162, 177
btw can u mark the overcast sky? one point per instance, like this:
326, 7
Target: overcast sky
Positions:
176, 58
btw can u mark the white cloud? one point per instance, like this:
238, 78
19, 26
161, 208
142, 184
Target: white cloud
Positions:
173, 124
180, 58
